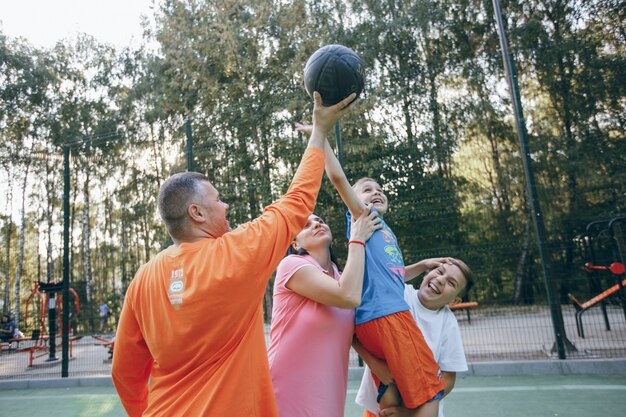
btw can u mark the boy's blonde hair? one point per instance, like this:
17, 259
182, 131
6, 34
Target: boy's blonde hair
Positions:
357, 185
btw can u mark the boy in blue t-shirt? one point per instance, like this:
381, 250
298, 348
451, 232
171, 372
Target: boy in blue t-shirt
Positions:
384, 325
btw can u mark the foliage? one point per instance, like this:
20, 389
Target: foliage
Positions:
435, 126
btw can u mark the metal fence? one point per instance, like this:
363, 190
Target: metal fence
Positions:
489, 333
592, 301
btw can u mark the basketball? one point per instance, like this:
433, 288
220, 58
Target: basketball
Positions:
335, 71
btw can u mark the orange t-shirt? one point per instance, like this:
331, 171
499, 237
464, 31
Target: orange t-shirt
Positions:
192, 321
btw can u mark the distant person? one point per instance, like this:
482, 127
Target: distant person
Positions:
192, 321
9, 329
443, 286
313, 319
104, 317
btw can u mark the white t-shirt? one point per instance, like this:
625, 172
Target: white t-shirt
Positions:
441, 331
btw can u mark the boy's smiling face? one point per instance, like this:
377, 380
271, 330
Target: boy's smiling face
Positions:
370, 192
442, 286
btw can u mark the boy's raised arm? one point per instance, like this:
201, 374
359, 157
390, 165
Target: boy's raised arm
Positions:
338, 178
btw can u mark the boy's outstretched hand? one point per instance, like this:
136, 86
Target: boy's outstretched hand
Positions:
304, 128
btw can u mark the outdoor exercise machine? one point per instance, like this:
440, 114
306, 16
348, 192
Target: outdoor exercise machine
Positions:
610, 238
108, 344
45, 297
615, 268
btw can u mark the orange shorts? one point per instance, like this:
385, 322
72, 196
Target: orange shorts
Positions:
397, 339
366, 413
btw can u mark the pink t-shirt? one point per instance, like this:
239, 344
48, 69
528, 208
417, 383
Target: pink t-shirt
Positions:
309, 347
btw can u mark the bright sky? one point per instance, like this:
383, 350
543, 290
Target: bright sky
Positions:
44, 22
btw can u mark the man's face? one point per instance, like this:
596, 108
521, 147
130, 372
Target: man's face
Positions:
370, 192
441, 286
213, 210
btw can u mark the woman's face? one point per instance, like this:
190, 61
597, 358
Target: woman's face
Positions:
315, 234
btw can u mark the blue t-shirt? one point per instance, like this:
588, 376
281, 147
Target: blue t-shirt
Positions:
7, 326
383, 280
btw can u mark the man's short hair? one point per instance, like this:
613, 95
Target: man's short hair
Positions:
175, 195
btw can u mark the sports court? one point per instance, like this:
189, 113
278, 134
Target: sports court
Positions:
512, 396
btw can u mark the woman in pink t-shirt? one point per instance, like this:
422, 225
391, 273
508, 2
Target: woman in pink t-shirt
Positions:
313, 320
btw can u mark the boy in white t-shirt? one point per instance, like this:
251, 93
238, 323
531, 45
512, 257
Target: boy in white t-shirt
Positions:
441, 287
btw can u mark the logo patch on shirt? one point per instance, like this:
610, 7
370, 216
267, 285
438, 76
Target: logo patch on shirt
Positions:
176, 287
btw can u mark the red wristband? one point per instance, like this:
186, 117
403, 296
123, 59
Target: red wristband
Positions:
358, 242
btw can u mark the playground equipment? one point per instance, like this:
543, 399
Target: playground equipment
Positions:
615, 268
46, 298
607, 236
108, 344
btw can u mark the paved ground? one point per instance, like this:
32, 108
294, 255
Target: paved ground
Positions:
89, 358
546, 396
526, 333
566, 396
493, 334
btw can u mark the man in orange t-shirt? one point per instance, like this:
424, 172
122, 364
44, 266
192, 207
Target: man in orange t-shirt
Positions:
190, 340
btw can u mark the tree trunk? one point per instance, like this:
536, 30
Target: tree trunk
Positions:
145, 229
408, 122
521, 272
20, 261
110, 264
249, 178
442, 153
498, 183
7, 250
124, 249
49, 221
97, 283
74, 192
156, 152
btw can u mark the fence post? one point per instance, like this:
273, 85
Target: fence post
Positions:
66, 262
